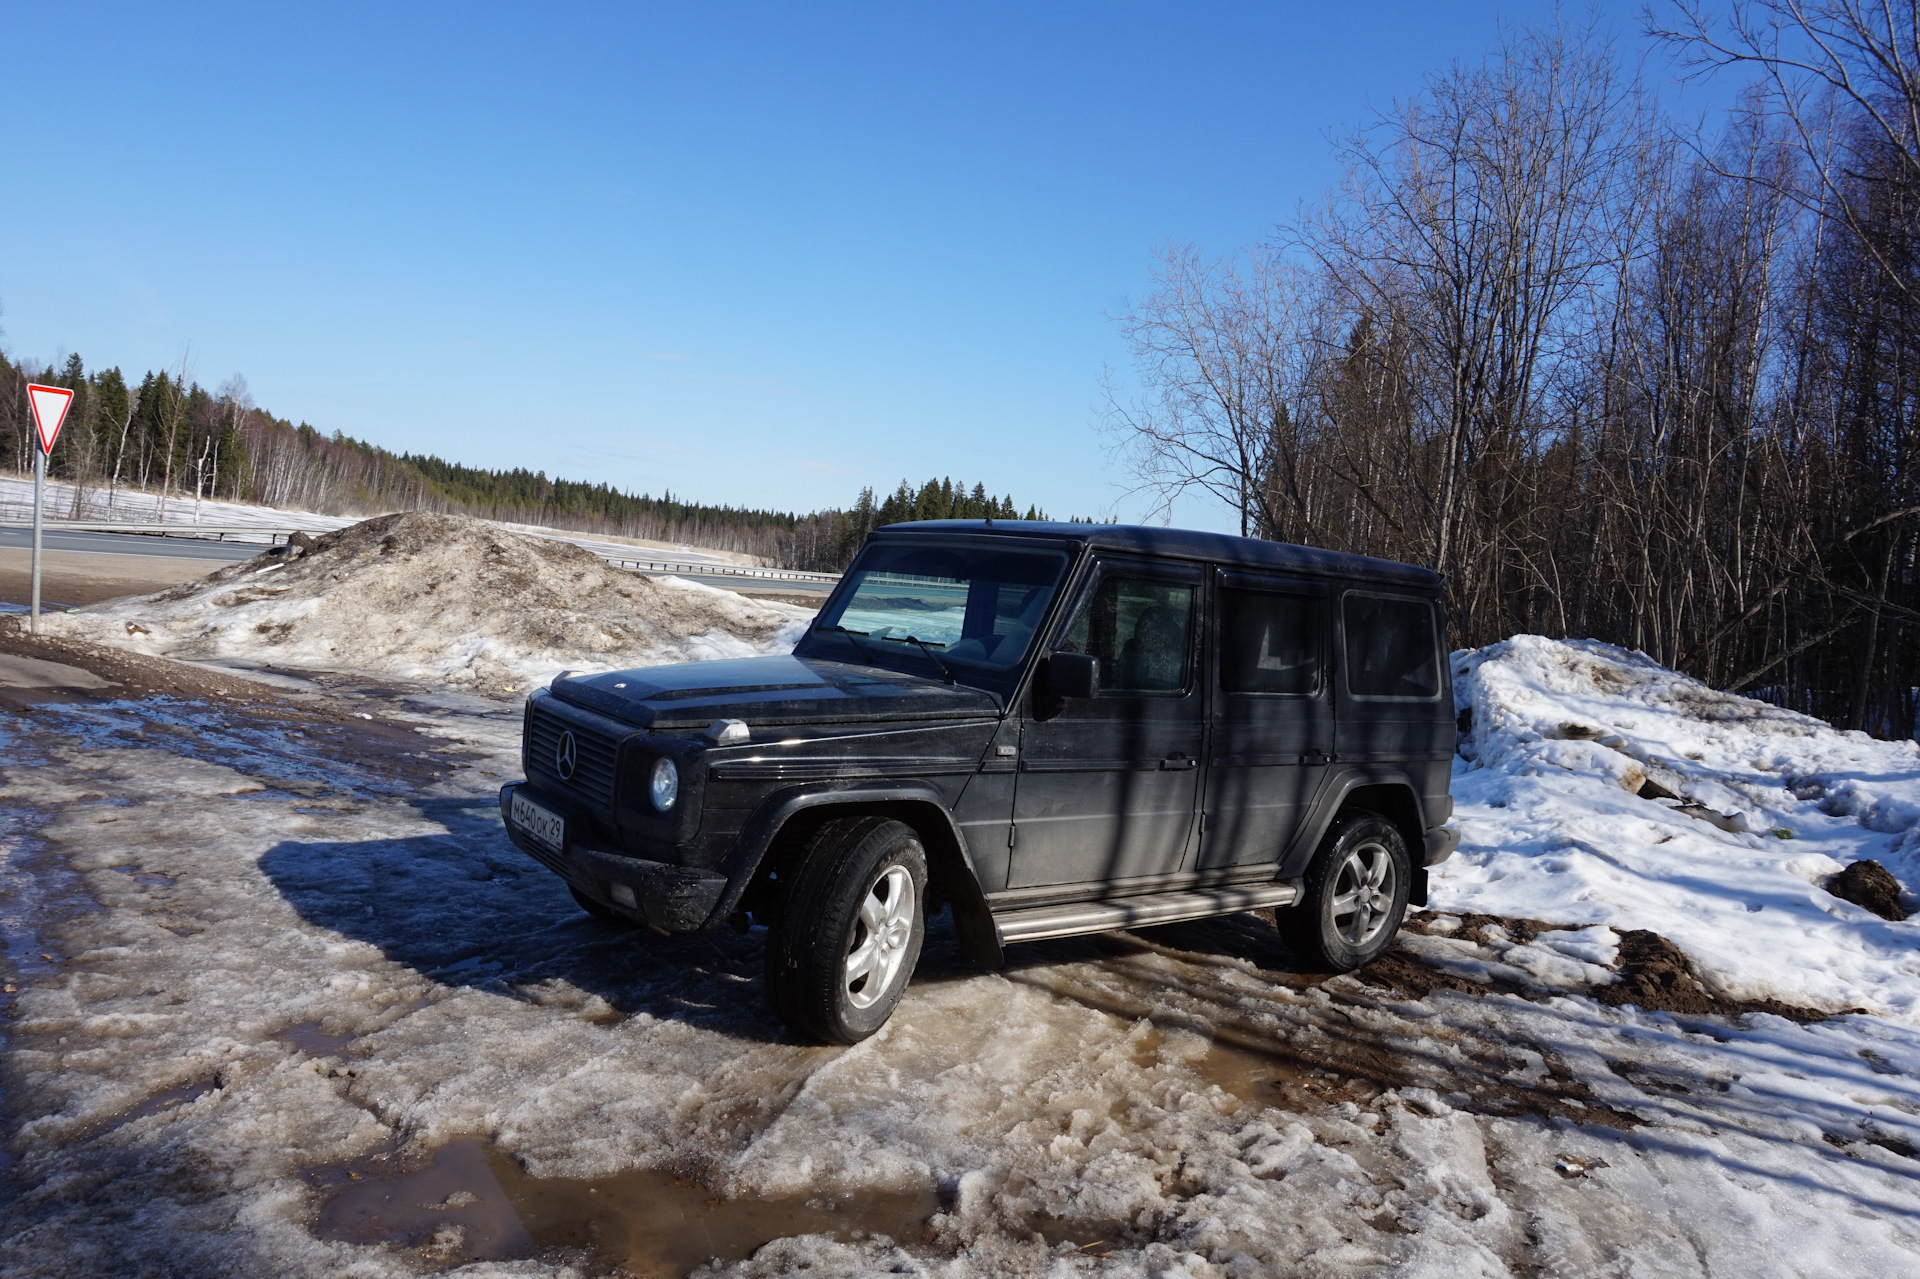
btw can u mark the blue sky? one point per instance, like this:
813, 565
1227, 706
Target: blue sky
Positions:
755, 254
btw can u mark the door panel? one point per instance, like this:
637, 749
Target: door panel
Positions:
1273, 726
1107, 785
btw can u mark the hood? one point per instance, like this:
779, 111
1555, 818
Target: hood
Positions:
770, 690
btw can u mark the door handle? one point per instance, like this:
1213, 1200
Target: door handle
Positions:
1177, 762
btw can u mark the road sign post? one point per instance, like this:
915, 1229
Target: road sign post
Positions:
49, 404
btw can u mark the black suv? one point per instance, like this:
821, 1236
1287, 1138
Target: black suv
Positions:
1049, 728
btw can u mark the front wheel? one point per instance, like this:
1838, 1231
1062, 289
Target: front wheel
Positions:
850, 934
1355, 895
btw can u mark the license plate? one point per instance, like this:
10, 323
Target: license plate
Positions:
541, 825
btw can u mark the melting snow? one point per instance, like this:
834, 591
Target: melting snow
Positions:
262, 963
1564, 738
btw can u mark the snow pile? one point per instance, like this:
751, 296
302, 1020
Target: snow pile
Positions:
439, 598
1600, 788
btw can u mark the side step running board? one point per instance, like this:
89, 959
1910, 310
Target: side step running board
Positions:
1038, 922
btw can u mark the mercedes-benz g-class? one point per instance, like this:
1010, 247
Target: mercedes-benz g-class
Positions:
1047, 729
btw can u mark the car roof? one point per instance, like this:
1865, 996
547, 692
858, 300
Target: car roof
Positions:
1191, 544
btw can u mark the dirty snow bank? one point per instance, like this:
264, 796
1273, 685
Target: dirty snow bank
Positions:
1598, 788
444, 599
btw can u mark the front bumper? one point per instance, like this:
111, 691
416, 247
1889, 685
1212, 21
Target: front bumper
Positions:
672, 898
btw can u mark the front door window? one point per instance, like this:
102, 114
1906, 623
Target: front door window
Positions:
1139, 629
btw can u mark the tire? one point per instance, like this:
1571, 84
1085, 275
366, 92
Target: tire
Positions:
601, 911
1355, 895
850, 935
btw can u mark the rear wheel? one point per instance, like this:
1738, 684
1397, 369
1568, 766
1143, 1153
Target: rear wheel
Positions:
1355, 895
851, 930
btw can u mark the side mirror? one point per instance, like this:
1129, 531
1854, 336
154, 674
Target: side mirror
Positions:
1073, 675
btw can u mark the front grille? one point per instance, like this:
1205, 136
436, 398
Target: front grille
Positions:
592, 777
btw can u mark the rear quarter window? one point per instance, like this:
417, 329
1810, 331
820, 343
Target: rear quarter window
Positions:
1391, 648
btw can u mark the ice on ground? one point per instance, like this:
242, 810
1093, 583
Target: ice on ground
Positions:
1598, 788
259, 963
441, 599
265, 981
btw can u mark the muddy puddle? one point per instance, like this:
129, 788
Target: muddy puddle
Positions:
1262, 1075
472, 1203
313, 1039
1255, 1077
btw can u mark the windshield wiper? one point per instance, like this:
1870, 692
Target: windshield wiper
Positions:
927, 648
855, 636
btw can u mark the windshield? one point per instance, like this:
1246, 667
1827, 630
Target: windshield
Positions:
964, 613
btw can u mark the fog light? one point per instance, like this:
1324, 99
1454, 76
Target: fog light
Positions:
665, 786
622, 895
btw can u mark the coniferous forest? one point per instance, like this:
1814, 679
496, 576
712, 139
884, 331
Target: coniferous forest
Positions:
170, 436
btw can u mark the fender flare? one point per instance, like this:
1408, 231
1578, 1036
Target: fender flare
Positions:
1333, 798
950, 859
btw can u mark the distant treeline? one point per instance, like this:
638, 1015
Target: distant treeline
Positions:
171, 437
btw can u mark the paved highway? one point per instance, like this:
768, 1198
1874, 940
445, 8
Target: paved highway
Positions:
186, 548
207, 549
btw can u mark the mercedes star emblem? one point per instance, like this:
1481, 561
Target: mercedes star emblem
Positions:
565, 756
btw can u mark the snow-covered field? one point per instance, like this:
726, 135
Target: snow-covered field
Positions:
129, 506
258, 958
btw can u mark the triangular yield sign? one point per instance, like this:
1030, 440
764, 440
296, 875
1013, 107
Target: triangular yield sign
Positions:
49, 411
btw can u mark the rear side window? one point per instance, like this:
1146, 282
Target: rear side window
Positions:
1138, 628
1270, 643
1390, 647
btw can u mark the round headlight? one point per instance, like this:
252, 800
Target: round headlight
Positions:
665, 786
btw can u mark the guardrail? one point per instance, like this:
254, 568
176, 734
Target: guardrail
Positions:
275, 536
720, 570
203, 532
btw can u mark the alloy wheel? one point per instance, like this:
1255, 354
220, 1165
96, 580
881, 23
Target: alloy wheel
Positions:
881, 935
1363, 893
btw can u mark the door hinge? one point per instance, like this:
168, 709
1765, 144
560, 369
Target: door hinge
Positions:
1013, 833
1203, 823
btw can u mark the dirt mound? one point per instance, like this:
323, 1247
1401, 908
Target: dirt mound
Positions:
442, 598
1867, 883
1655, 975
